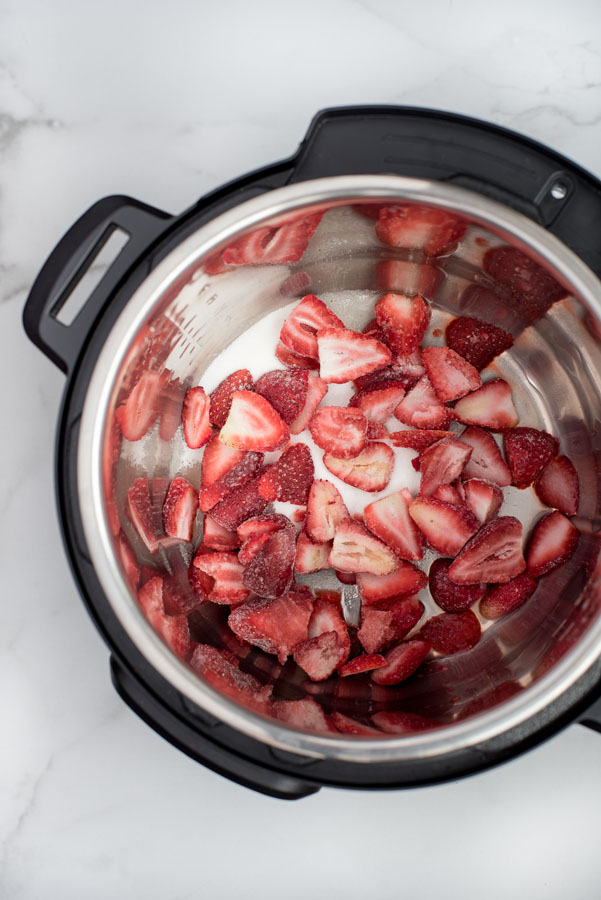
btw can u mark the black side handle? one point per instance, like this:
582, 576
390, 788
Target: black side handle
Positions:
592, 716
69, 262
196, 745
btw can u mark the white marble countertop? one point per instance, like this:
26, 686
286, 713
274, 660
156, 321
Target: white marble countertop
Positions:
164, 101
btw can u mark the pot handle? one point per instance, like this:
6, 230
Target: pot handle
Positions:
58, 337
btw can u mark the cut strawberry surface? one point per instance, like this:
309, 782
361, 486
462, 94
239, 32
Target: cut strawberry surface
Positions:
290, 478
376, 431
142, 407
326, 616
217, 460
195, 418
310, 556
220, 400
504, 598
389, 520
227, 573
369, 471
442, 463
221, 671
288, 358
276, 626
418, 440
528, 451
404, 320
316, 391
201, 584
483, 498
421, 408
406, 579
477, 341
216, 537
486, 461
551, 544
360, 664
448, 494
306, 715
240, 504
264, 524
378, 403
435, 231
345, 355
173, 629
401, 662
445, 527
325, 511
355, 549
179, 509
557, 486
299, 331
493, 555
139, 510
452, 597
532, 290
451, 376
452, 632
253, 424
491, 406
235, 478
270, 572
320, 656
171, 409
339, 431
286, 390
251, 547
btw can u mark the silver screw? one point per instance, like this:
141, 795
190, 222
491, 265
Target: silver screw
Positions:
559, 191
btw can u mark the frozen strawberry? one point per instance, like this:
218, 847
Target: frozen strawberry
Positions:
240, 504
452, 632
299, 331
179, 509
557, 486
346, 725
141, 409
220, 400
389, 520
406, 579
375, 431
310, 556
355, 549
227, 572
435, 231
316, 391
325, 511
406, 371
173, 629
531, 289
221, 671
404, 320
448, 494
483, 498
491, 406
486, 461
253, 424
346, 577
267, 523
216, 537
276, 626
477, 341
306, 715
218, 460
373, 329
528, 451
269, 573
378, 630
392, 721
171, 409
345, 355
195, 418
339, 431
445, 527
283, 243
378, 403
320, 656
326, 616
201, 584
251, 547
451, 597
450, 375
418, 440
504, 598
551, 544
129, 562
289, 358
286, 390
421, 408
442, 463
235, 478
401, 662
369, 471
139, 510
493, 555
360, 664
406, 277
290, 478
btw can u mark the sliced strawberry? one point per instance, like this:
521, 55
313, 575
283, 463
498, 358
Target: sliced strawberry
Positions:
405, 277
346, 725
504, 598
382, 628
451, 597
369, 471
450, 375
452, 632
299, 331
227, 572
339, 431
491, 406
253, 424
551, 544
286, 390
360, 664
195, 418
421, 408
435, 231
557, 486
406, 579
142, 407
483, 498
418, 440
326, 616
376, 331
269, 573
276, 626
401, 662
445, 527
375, 431
236, 477
290, 478
216, 537
251, 547
139, 510
221, 671
306, 715
493, 555
528, 451
531, 289
378, 403
355, 549
289, 358
486, 461
268, 523
316, 391
288, 241
389, 520
220, 400
442, 463
345, 355
320, 656
477, 341
129, 562
448, 494
406, 371
393, 721
201, 584
217, 460
171, 409
310, 556
404, 320
325, 511
179, 509
173, 629
240, 504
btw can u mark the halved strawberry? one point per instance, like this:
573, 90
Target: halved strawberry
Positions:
421, 408
289, 240
551, 544
493, 555
445, 527
276, 626
418, 440
407, 579
253, 424
221, 670
325, 511
129, 562
450, 596
360, 664
401, 662
452, 632
179, 509
236, 477
345, 355
442, 463
404, 320
240, 504
393, 721
227, 572
483, 498
195, 418
270, 572
531, 289
173, 629
139, 510
286, 390
491, 406
378, 403
289, 358
450, 375
486, 461
142, 407
528, 451
448, 493
403, 276
306, 715
477, 341
311, 556
320, 656
216, 537
435, 231
369, 471
504, 598
290, 478
355, 549
220, 400
299, 331
339, 431
389, 520
267, 523
316, 391
171, 409
557, 486
217, 460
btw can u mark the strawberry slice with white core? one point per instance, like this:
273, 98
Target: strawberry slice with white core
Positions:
217, 460
311, 557
406, 580
369, 471
325, 511
227, 572
355, 549
552, 543
445, 527
411, 365
276, 626
295, 360
389, 520
486, 461
139, 510
483, 498
378, 403
404, 320
316, 391
528, 450
435, 231
493, 555
401, 662
364, 663
418, 440
339, 431
320, 656
251, 547
448, 494
141, 409
451, 376
345, 355
557, 486
442, 463
421, 407
179, 509
326, 616
220, 400
195, 418
299, 331
253, 424
504, 598
216, 537
491, 406
265, 524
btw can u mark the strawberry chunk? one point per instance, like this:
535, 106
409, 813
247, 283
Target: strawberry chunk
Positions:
483, 498
435, 231
227, 573
486, 461
452, 632
221, 671
504, 598
173, 629
290, 478
493, 555
491, 406
195, 418
450, 375
320, 656
404, 320
551, 544
451, 597
528, 451
265, 524
448, 494
369, 471
532, 290
286, 390
345, 355
477, 341
326, 616
306, 715
201, 586
171, 409
179, 509
382, 628
355, 549
216, 537
316, 391
236, 477
139, 510
276, 626
360, 664
421, 408
142, 407
418, 440
220, 400
253, 424
445, 527
240, 504
557, 486
401, 662
251, 547
376, 431
378, 403
311, 556
217, 460
289, 358
407, 579
339, 431
269, 573
325, 511
442, 463
389, 520
393, 721
299, 331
